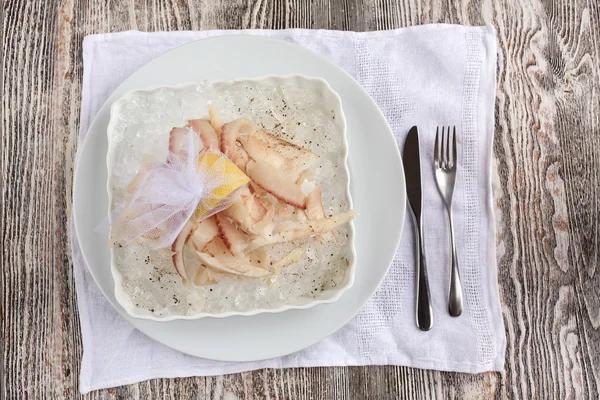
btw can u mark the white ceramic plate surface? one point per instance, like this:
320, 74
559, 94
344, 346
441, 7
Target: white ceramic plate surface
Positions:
377, 187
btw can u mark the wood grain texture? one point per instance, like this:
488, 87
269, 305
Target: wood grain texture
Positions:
546, 187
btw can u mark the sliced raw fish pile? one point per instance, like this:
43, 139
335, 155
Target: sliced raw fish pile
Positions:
282, 203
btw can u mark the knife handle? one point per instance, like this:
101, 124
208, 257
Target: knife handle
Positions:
424, 311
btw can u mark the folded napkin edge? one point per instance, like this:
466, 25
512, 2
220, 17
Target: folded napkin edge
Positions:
109, 36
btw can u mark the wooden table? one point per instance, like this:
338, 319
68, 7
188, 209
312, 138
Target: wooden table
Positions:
546, 187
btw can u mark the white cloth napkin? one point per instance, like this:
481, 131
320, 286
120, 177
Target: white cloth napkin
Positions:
426, 76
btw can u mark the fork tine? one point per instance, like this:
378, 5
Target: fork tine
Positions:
435, 149
448, 148
454, 147
442, 151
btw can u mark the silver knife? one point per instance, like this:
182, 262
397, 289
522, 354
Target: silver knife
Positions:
412, 171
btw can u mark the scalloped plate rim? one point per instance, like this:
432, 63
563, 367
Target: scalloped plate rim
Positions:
122, 297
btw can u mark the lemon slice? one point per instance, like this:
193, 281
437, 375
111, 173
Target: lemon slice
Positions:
219, 169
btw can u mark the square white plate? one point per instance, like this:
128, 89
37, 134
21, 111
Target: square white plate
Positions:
305, 111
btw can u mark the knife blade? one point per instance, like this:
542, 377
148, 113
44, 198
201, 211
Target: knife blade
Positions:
412, 171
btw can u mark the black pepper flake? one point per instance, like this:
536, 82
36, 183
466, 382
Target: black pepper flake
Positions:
211, 290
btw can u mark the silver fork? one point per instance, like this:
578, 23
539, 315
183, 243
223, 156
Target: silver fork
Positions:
445, 177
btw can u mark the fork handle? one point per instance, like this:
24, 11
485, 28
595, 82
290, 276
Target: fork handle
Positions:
455, 300
424, 311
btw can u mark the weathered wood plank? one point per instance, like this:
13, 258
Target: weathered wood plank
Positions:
544, 126
546, 187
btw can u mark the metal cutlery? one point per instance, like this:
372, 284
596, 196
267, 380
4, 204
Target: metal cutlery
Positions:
412, 170
444, 161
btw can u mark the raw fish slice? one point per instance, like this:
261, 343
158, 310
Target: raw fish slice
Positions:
179, 140
219, 250
215, 119
206, 132
302, 230
236, 267
288, 150
292, 257
230, 133
177, 248
204, 233
239, 213
235, 240
259, 150
202, 276
268, 178
314, 209
308, 174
